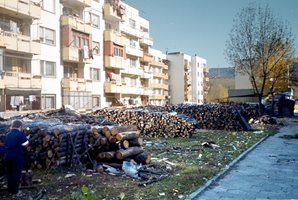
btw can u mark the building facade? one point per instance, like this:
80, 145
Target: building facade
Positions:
20, 48
188, 78
88, 54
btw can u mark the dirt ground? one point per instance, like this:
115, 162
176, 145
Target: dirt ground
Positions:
179, 166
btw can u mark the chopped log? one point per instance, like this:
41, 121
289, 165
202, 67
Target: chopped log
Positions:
125, 153
128, 135
118, 129
143, 158
136, 142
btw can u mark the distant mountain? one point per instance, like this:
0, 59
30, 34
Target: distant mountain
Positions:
228, 73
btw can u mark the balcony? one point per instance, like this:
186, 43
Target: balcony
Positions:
160, 75
114, 13
147, 91
114, 62
114, 36
23, 9
187, 67
77, 3
130, 31
74, 54
131, 90
112, 87
159, 64
158, 97
134, 51
132, 71
159, 86
77, 84
146, 40
146, 75
18, 42
21, 80
146, 58
76, 23
206, 70
206, 79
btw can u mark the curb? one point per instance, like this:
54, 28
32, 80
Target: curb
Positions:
225, 170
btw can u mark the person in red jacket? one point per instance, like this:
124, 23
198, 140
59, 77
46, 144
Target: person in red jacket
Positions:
15, 147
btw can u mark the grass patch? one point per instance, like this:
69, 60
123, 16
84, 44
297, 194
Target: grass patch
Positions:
190, 166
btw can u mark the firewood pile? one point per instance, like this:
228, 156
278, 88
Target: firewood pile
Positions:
207, 116
55, 140
152, 123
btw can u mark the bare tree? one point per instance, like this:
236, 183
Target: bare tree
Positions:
259, 46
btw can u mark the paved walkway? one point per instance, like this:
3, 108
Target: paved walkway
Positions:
270, 171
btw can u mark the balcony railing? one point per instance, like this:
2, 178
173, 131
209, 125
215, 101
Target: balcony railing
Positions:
113, 12
112, 87
159, 64
159, 86
158, 96
131, 90
74, 54
76, 23
18, 42
134, 51
78, 3
206, 70
114, 62
24, 9
146, 40
146, 75
21, 80
114, 36
160, 75
76, 84
146, 58
133, 71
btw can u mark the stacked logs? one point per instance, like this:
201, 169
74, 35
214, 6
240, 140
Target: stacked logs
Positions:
54, 143
116, 143
152, 124
231, 117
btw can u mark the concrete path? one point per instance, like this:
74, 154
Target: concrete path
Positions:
269, 171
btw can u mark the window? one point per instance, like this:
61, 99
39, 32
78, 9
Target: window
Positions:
95, 101
133, 63
108, 26
132, 43
47, 36
118, 52
95, 74
96, 48
48, 101
94, 20
132, 23
48, 69
48, 5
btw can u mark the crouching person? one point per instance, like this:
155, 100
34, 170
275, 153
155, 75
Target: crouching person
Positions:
15, 147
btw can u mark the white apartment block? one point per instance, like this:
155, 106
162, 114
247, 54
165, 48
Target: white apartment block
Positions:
127, 57
159, 81
87, 54
51, 53
197, 72
187, 78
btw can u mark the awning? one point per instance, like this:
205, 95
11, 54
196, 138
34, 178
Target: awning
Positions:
22, 91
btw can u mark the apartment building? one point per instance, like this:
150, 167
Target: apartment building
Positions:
159, 81
187, 78
126, 55
20, 86
199, 73
81, 47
